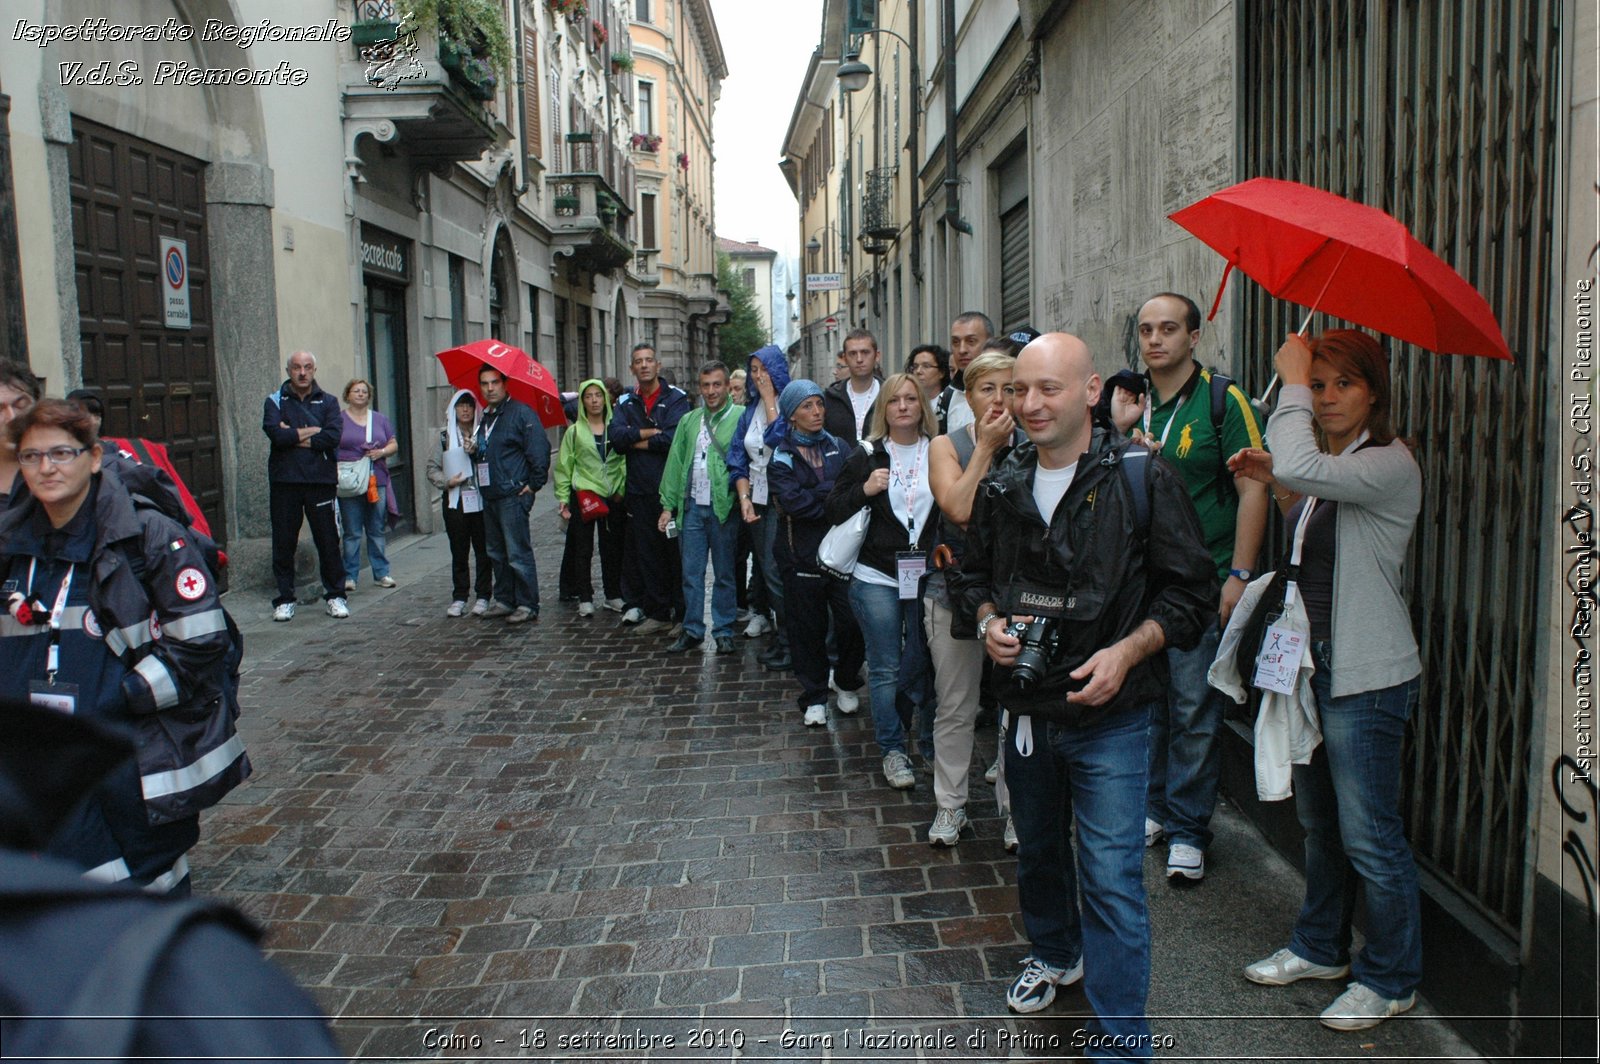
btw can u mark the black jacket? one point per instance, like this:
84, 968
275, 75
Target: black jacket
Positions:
886, 536
518, 451
289, 462
801, 493
645, 467
839, 415
1105, 579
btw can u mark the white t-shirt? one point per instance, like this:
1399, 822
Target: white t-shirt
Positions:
910, 497
863, 405
1049, 485
756, 450
958, 414
699, 478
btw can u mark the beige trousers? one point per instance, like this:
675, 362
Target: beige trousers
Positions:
957, 672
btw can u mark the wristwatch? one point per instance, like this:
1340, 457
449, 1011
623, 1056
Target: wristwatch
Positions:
983, 624
1243, 574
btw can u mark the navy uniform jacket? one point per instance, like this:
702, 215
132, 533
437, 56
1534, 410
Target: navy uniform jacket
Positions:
290, 463
645, 467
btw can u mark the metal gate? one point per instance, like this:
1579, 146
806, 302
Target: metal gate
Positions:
1444, 115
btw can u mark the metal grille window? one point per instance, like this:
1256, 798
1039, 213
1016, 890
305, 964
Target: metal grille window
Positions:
1016, 272
1444, 115
877, 209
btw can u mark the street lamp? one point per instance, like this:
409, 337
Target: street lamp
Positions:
853, 74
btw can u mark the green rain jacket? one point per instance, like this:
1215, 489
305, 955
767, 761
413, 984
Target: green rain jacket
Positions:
578, 461
680, 460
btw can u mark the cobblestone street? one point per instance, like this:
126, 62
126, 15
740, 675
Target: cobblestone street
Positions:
524, 835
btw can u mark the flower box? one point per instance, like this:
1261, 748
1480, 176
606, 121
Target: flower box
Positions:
371, 31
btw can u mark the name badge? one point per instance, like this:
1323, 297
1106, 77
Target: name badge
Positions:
61, 697
471, 501
483, 474
1278, 665
910, 566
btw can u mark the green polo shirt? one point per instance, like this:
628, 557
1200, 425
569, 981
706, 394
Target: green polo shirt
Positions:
1193, 447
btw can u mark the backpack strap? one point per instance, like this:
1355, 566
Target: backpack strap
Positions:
1135, 468
1220, 383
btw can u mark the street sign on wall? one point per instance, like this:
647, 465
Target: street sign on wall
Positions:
824, 282
175, 282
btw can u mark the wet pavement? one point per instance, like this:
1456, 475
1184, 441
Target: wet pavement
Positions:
555, 842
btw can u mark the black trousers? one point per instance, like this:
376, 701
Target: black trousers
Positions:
468, 540
318, 505
652, 579
808, 601
577, 557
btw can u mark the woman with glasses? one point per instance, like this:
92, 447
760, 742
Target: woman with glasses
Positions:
114, 615
929, 365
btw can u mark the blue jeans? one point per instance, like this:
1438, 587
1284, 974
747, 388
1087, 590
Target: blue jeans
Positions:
357, 515
1096, 775
897, 663
1185, 749
505, 526
702, 533
1348, 800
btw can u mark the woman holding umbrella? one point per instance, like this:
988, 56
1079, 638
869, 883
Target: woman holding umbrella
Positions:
1337, 466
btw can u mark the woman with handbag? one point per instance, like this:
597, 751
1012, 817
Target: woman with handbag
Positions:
364, 501
806, 460
114, 616
1337, 463
589, 479
451, 470
888, 476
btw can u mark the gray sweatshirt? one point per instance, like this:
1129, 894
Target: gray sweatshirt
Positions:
1379, 490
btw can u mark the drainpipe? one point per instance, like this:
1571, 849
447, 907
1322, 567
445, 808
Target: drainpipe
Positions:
952, 184
916, 168
520, 60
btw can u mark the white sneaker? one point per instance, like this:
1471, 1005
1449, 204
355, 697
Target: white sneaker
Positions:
848, 701
897, 770
1286, 966
457, 609
585, 609
1186, 861
480, 607
758, 626
284, 611
947, 825
349, 586
1009, 839
633, 616
817, 714
1361, 1007
743, 616
1153, 831
337, 607
614, 605
992, 773
385, 581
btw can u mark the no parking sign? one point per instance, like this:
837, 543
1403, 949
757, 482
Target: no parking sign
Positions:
175, 282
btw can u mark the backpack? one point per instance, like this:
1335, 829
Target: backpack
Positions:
152, 488
1134, 465
1220, 383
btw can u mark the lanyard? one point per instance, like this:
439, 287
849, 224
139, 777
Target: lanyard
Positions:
57, 611
1183, 394
909, 481
1305, 519
490, 420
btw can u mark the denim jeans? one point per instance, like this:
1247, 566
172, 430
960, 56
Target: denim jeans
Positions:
357, 515
516, 576
701, 534
1185, 745
1348, 800
897, 663
1094, 775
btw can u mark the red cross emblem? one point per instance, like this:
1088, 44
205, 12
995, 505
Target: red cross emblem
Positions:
191, 584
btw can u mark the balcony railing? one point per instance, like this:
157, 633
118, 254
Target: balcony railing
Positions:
878, 226
590, 222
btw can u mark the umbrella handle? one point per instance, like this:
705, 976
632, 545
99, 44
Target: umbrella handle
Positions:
1263, 404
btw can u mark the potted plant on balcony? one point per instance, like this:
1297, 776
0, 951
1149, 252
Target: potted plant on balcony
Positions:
683, 160
572, 9
473, 27
620, 62
601, 35
477, 77
649, 142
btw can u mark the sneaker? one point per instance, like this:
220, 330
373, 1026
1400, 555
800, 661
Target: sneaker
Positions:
522, 615
1286, 966
1009, 839
633, 616
1186, 861
337, 607
494, 611
651, 626
947, 825
848, 701
284, 611
480, 607
725, 644
614, 605
457, 608
744, 615
816, 715
897, 770
1360, 1007
385, 581
585, 609
349, 586
992, 773
1153, 832
758, 626
1035, 988
779, 661
684, 644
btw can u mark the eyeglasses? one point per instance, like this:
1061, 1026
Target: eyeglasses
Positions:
58, 456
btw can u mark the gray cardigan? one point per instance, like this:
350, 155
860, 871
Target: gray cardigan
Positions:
1379, 490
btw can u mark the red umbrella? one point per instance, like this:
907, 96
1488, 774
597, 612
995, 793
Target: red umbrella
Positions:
526, 380
1349, 260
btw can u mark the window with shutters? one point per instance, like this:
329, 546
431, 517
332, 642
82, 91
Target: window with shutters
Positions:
1015, 252
647, 221
530, 95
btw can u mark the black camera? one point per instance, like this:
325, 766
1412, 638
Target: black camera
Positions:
1039, 638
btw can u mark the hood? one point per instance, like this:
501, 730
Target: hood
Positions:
603, 391
450, 415
776, 364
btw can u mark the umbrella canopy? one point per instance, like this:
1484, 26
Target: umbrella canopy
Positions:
526, 380
1347, 259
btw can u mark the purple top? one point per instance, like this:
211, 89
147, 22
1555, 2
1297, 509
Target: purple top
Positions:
353, 442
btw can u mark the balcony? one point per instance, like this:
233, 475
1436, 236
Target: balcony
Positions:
429, 104
878, 228
647, 267
589, 222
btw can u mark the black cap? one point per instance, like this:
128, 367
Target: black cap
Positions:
89, 399
1023, 336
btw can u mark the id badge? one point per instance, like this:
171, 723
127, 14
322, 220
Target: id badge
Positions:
471, 501
483, 474
1278, 665
61, 697
910, 565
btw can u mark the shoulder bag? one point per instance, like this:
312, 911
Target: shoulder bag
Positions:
1274, 602
353, 476
839, 549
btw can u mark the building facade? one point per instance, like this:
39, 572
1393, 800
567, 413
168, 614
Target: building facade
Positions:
340, 178
756, 267
1050, 139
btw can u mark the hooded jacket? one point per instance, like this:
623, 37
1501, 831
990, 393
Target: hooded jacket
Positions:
630, 418
450, 438
290, 463
801, 492
839, 414
578, 461
1091, 568
680, 462
739, 458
